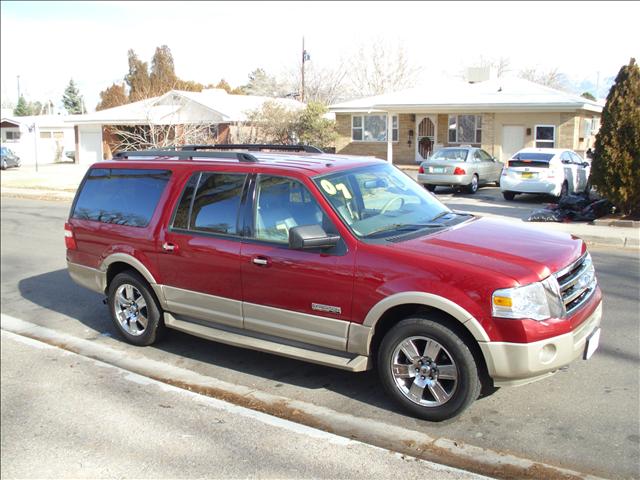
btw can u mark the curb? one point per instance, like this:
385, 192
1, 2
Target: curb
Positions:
390, 437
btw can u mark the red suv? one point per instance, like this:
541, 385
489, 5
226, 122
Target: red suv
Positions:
338, 260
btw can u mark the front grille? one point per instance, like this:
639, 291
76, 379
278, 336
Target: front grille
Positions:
577, 283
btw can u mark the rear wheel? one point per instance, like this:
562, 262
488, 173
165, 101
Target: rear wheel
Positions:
508, 195
134, 309
4, 165
564, 190
473, 186
428, 369
431, 188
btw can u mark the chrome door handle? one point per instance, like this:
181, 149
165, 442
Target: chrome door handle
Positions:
168, 247
260, 261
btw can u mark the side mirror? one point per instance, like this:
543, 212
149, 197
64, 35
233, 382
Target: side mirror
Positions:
306, 237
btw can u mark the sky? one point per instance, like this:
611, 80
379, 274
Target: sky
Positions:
48, 43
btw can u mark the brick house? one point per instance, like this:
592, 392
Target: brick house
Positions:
499, 115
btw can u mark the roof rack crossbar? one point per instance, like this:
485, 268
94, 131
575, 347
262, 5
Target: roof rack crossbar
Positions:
255, 147
186, 155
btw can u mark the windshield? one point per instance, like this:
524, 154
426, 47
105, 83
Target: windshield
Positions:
380, 201
451, 154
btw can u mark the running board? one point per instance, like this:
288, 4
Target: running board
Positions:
358, 363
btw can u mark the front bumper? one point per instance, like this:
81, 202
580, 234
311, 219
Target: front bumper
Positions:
444, 179
521, 363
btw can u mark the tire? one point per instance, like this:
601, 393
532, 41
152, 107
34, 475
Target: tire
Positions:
473, 186
430, 396
509, 195
4, 165
564, 190
147, 325
431, 188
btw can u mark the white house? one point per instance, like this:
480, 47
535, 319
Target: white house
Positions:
40, 138
223, 112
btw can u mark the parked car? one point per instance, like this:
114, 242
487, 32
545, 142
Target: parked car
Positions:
550, 171
337, 260
8, 158
466, 167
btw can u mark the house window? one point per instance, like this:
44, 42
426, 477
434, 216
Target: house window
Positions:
545, 136
372, 128
465, 128
58, 135
45, 134
14, 136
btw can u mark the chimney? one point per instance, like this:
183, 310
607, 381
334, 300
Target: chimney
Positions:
479, 74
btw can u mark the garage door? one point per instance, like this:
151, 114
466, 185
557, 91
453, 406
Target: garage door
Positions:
512, 140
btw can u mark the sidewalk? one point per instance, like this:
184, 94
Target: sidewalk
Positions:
59, 182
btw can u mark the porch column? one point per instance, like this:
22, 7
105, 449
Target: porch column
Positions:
389, 137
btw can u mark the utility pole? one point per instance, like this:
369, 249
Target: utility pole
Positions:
305, 58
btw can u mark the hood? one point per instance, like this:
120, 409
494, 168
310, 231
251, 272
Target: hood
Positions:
525, 253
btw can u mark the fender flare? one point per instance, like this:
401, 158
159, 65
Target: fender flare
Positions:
361, 336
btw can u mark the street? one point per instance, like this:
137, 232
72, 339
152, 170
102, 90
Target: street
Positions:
585, 418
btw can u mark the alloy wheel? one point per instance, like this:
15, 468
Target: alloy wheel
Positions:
131, 309
424, 371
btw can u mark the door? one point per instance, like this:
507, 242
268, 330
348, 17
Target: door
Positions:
512, 140
302, 295
583, 170
425, 137
491, 168
199, 257
570, 172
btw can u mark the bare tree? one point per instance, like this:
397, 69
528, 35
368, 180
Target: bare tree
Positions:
323, 85
380, 68
272, 123
549, 78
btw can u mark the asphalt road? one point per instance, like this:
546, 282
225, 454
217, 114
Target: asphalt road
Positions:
586, 418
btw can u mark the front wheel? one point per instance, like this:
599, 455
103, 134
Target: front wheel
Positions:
564, 191
428, 369
508, 195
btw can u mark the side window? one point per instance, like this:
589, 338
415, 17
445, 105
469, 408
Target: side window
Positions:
477, 157
281, 204
566, 158
181, 217
484, 156
216, 204
576, 158
121, 196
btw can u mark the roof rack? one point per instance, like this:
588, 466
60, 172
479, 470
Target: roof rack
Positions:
185, 155
254, 147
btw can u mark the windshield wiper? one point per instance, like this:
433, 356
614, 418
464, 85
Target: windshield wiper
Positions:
402, 227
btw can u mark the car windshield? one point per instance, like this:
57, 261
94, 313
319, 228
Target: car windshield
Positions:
451, 154
380, 201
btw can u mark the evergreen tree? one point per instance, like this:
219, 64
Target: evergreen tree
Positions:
138, 78
72, 100
616, 159
313, 129
113, 96
163, 75
22, 109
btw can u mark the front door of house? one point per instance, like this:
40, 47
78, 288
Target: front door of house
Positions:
425, 136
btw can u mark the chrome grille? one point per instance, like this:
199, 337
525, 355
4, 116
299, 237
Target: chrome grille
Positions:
577, 283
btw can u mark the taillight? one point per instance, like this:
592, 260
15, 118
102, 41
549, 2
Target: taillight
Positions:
69, 239
459, 171
421, 169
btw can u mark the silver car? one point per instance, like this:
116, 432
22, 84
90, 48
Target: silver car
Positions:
467, 167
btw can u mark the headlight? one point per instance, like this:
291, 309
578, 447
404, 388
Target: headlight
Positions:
538, 301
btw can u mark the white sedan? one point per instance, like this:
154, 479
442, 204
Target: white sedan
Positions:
550, 171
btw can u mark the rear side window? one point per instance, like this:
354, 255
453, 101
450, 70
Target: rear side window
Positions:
120, 196
214, 208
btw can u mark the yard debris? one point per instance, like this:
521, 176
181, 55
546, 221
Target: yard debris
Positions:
573, 208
